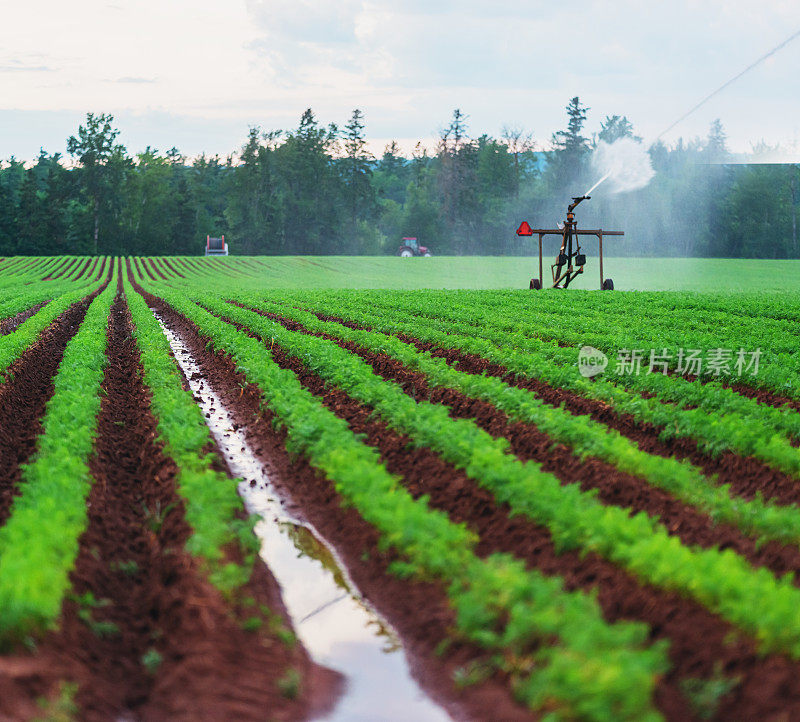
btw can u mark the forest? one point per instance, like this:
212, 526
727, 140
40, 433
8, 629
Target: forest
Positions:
317, 189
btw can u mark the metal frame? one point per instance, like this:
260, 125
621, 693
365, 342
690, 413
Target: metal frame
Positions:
541, 232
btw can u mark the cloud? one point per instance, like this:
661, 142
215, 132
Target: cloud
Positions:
133, 79
407, 65
17, 66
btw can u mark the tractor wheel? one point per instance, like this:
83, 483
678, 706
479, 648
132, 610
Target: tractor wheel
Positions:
536, 284
426, 254
608, 285
405, 252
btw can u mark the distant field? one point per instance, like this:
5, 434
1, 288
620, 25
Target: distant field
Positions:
640, 274
473, 272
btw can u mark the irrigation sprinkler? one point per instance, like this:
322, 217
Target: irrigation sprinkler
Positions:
570, 261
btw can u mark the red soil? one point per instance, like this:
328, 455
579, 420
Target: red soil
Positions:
614, 487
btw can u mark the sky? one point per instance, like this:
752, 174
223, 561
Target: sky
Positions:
197, 74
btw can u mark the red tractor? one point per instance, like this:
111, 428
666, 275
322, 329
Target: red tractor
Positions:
410, 247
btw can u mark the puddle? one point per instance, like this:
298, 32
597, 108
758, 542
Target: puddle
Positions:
339, 628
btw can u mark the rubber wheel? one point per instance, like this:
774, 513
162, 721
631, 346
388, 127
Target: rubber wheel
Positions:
426, 255
536, 284
405, 252
608, 285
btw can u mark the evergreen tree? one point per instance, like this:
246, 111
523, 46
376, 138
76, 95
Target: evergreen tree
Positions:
358, 169
567, 160
615, 127
253, 211
312, 189
8, 220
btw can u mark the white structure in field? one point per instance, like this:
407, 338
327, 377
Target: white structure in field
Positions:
216, 246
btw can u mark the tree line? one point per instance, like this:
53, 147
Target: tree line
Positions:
317, 189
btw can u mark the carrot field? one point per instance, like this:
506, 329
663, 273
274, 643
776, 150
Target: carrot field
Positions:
567, 505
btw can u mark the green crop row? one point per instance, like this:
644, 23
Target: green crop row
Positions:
534, 324
585, 436
752, 599
214, 509
31, 271
39, 542
14, 344
28, 295
569, 659
778, 365
535, 359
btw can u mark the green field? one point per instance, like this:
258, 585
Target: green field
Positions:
629, 274
610, 533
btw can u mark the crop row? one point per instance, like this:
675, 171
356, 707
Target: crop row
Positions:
659, 330
28, 296
753, 434
502, 316
214, 509
585, 436
753, 599
595, 670
39, 542
14, 344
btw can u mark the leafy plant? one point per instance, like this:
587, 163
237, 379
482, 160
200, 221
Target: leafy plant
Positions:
151, 660
704, 695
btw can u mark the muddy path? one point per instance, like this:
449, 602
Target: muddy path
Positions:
701, 644
23, 397
418, 611
143, 634
746, 476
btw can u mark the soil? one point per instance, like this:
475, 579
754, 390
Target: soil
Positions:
24, 394
7, 325
143, 268
83, 270
701, 644
172, 268
64, 269
92, 267
156, 267
418, 611
156, 604
101, 271
762, 395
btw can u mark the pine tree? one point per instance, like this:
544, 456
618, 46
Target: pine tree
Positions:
615, 127
358, 169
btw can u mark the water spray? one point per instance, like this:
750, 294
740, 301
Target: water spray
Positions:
607, 175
